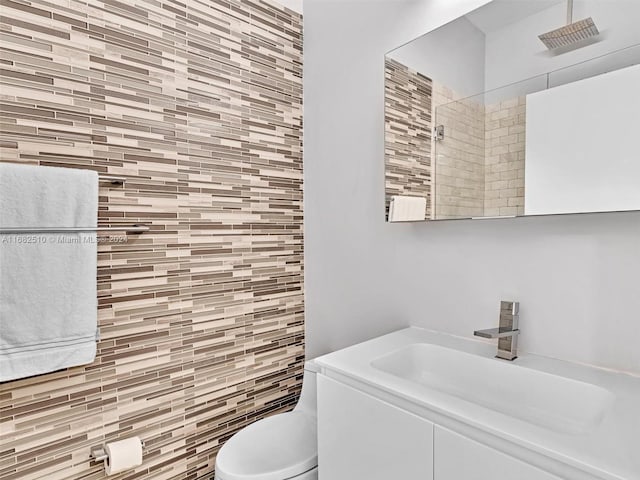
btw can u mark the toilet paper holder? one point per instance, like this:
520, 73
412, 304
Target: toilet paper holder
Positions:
99, 454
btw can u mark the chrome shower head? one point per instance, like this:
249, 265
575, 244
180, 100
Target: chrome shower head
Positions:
571, 33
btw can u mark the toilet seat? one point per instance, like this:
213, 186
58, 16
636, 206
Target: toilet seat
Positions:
280, 447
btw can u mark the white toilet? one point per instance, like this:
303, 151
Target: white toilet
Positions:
281, 447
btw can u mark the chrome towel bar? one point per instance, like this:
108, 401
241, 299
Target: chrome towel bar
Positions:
112, 180
137, 229
125, 229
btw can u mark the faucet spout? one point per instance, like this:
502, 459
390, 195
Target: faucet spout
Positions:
495, 333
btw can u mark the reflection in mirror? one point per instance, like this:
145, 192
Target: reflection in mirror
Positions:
465, 133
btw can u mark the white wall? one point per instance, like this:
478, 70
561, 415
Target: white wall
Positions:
295, 5
515, 52
581, 148
576, 277
453, 56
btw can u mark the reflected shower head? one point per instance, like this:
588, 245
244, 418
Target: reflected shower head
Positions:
571, 33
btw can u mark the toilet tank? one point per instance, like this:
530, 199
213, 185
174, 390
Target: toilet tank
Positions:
308, 400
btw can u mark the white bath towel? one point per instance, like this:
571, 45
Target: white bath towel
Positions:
48, 293
407, 209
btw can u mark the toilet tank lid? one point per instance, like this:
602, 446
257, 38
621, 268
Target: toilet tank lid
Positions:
275, 448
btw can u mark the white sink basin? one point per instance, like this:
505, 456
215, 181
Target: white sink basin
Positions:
557, 403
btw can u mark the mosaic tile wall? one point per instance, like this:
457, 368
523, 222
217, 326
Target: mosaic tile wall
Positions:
505, 150
460, 158
199, 105
407, 133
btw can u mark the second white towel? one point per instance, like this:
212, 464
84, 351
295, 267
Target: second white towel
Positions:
407, 209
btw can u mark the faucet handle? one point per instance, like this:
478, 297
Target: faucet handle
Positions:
509, 315
509, 308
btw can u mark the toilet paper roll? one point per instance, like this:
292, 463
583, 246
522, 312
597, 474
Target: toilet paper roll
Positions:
123, 455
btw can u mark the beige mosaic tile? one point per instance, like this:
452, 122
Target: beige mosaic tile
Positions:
407, 133
199, 105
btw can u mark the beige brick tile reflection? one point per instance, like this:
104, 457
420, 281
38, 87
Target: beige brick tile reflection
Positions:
505, 159
460, 168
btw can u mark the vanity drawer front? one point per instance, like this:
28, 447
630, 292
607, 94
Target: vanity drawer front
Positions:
361, 437
457, 457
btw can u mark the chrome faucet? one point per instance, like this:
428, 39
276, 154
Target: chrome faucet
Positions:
507, 331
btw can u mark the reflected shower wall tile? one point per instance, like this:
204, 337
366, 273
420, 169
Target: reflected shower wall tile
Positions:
504, 155
460, 162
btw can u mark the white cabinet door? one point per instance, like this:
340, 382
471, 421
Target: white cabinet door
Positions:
460, 458
363, 438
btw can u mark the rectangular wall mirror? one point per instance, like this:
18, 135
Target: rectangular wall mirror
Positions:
521, 107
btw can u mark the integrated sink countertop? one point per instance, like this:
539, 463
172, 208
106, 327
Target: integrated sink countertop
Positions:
572, 415
531, 395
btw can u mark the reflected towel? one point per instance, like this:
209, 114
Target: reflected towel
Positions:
407, 209
48, 294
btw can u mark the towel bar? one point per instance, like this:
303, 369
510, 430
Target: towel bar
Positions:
103, 178
112, 180
126, 229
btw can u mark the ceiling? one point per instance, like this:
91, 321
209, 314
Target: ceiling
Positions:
499, 13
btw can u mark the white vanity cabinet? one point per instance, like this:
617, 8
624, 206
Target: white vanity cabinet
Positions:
361, 437
458, 457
